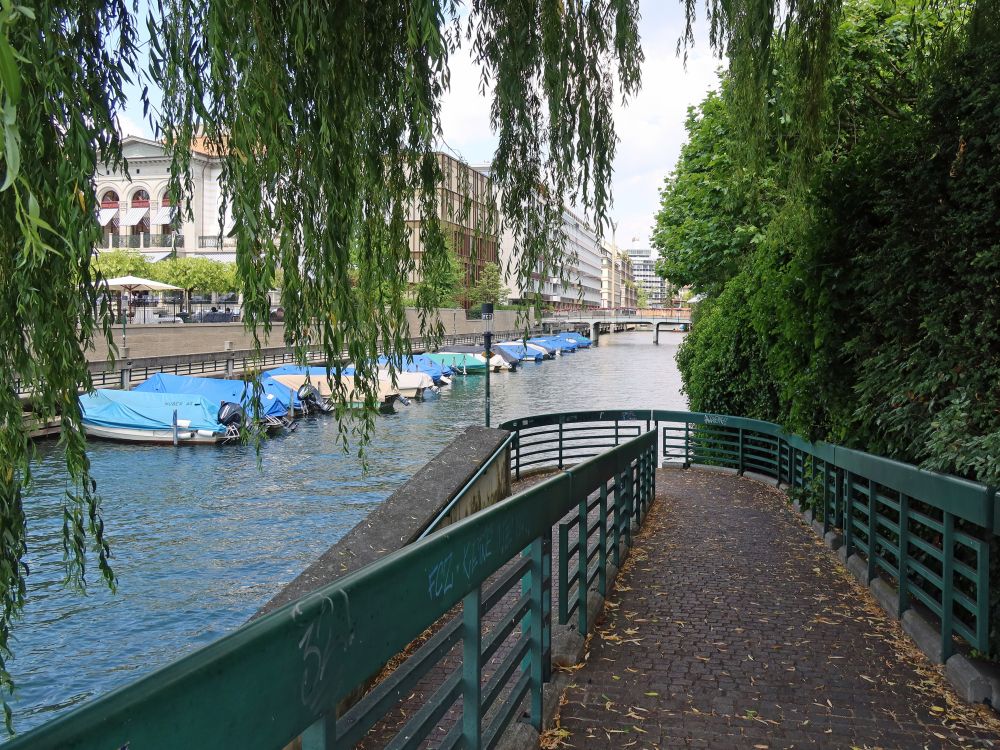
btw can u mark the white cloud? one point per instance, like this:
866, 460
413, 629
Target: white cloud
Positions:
129, 126
651, 126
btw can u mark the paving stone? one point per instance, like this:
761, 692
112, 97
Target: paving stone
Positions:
733, 626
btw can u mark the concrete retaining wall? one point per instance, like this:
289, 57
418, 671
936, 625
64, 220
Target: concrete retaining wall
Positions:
169, 339
403, 516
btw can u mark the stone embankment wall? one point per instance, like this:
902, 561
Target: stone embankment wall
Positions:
169, 339
404, 515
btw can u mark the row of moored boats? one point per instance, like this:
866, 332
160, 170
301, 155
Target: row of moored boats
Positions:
185, 409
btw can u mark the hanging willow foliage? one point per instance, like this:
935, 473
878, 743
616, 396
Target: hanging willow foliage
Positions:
326, 117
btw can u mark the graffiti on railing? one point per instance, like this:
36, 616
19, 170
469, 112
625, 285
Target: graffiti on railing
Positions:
716, 419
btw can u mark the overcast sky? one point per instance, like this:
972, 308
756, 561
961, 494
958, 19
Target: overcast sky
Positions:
651, 126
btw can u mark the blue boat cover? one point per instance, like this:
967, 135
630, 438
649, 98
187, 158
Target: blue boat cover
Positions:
547, 345
520, 351
149, 411
578, 338
567, 342
416, 363
274, 400
282, 391
554, 344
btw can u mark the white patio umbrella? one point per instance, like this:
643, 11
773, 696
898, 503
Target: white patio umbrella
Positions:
137, 284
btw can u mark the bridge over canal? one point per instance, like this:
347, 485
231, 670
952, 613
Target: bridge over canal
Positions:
718, 614
600, 321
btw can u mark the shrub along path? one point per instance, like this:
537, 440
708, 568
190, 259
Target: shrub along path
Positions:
733, 626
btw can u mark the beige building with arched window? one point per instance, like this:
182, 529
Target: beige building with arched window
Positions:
135, 211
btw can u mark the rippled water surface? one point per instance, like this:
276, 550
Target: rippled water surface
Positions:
201, 538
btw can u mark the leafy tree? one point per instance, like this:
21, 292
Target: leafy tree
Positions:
116, 263
442, 281
713, 205
192, 274
490, 287
642, 297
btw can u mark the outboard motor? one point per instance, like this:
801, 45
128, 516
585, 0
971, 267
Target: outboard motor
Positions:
230, 414
231, 417
311, 398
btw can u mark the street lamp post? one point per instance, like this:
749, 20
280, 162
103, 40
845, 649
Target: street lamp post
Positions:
487, 311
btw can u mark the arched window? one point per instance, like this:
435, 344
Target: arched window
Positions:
140, 199
109, 199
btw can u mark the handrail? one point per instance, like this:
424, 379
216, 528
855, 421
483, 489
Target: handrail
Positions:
488, 464
283, 675
929, 532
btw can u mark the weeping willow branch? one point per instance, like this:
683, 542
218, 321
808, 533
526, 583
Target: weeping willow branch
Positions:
325, 116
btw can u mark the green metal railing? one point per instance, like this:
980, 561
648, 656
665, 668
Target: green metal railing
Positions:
928, 532
283, 676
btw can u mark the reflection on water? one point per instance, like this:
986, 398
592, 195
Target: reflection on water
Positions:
201, 538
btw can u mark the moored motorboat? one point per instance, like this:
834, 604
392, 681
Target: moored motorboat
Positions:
275, 403
509, 360
521, 351
438, 372
314, 389
409, 384
460, 363
174, 418
582, 341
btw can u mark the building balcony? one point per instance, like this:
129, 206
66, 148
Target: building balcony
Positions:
165, 240
213, 241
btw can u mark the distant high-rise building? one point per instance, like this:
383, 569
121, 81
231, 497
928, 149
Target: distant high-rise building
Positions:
618, 287
644, 268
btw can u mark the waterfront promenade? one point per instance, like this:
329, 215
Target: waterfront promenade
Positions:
733, 626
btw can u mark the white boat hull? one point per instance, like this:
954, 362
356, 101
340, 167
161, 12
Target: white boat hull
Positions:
133, 435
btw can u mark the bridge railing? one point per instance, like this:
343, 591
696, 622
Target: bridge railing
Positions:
283, 676
674, 313
930, 533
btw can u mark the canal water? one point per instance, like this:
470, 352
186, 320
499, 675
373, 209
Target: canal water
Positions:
201, 537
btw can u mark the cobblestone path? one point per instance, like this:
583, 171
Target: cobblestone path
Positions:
732, 626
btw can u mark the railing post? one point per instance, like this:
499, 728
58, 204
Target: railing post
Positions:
616, 522
602, 553
904, 554
536, 639
627, 505
948, 586
581, 566
983, 592
848, 512
563, 597
872, 529
652, 478
741, 467
321, 734
838, 497
472, 734
517, 448
687, 445
560, 442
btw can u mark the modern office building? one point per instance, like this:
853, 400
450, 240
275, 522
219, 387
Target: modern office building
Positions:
468, 218
644, 267
618, 287
576, 284
136, 213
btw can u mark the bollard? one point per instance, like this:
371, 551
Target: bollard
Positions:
126, 376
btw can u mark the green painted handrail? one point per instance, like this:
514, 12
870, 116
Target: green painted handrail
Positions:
282, 676
930, 532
